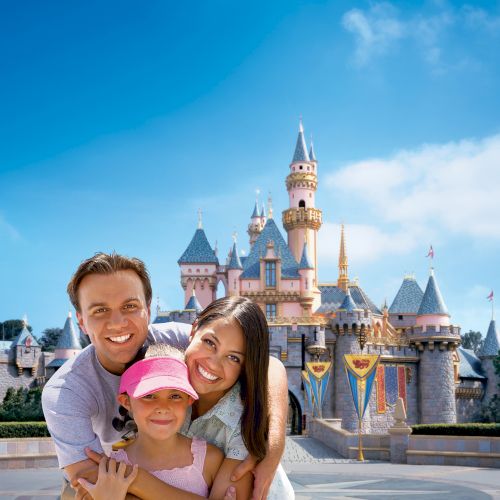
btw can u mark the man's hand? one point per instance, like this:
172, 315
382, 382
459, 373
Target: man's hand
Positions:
263, 473
111, 482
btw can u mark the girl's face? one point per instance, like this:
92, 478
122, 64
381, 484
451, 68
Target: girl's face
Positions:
215, 356
160, 414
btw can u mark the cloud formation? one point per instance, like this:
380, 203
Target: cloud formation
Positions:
378, 30
419, 194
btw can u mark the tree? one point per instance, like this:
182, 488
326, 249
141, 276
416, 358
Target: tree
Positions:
22, 405
490, 412
472, 340
11, 328
49, 339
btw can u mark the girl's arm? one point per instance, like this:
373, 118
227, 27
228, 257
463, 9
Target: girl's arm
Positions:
222, 483
213, 461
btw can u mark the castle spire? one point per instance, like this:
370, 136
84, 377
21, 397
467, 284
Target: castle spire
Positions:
300, 153
312, 155
200, 223
269, 207
343, 281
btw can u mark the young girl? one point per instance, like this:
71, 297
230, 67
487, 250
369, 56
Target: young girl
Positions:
157, 394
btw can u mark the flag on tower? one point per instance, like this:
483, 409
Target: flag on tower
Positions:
490, 296
431, 253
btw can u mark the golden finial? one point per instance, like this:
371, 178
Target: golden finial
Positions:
343, 281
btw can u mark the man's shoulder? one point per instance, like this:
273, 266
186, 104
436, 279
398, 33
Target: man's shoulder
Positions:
172, 333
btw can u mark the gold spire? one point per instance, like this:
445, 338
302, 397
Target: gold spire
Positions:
343, 281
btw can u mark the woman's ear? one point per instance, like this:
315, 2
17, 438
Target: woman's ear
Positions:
124, 400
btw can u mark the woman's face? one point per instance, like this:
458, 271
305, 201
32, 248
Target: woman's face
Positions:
215, 356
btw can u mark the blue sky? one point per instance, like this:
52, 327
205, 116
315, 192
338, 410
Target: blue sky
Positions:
120, 119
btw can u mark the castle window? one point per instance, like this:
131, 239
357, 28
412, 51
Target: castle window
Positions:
271, 311
302, 204
400, 317
301, 167
271, 274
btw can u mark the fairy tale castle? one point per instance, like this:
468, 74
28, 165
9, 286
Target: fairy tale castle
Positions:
421, 360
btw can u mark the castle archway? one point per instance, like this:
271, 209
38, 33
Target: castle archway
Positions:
294, 421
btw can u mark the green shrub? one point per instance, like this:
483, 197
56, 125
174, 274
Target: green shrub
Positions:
22, 405
23, 429
457, 429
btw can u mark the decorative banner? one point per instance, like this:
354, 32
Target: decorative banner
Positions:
391, 384
360, 370
380, 386
308, 389
318, 375
402, 383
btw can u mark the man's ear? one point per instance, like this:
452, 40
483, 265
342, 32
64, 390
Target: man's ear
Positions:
79, 318
124, 400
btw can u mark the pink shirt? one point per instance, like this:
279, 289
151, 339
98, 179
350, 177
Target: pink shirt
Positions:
189, 478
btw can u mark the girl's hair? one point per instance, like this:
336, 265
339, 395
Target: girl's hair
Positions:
157, 350
253, 378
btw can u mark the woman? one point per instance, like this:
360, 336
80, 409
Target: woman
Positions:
228, 358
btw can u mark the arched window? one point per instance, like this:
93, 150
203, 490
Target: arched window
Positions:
302, 204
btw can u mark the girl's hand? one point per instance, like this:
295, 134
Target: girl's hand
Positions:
111, 482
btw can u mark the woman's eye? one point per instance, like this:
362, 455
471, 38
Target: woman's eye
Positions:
209, 342
234, 358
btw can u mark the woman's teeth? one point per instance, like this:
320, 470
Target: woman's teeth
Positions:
206, 374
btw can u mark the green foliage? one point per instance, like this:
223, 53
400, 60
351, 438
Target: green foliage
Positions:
457, 429
472, 340
490, 412
49, 339
11, 328
22, 405
23, 429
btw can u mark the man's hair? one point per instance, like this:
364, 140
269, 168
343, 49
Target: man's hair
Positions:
103, 263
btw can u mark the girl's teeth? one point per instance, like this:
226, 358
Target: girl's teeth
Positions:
206, 374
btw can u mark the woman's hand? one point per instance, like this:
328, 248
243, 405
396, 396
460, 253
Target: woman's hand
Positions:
111, 482
263, 472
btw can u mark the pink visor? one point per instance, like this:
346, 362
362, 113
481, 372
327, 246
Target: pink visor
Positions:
154, 374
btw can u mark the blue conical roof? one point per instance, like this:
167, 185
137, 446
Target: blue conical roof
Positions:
263, 211
23, 336
198, 251
193, 304
300, 153
256, 211
312, 155
348, 304
235, 262
432, 301
68, 339
289, 266
491, 344
305, 263
408, 298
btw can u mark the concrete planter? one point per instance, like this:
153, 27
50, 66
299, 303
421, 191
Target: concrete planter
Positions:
22, 453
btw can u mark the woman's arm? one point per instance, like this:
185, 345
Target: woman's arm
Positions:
265, 470
223, 483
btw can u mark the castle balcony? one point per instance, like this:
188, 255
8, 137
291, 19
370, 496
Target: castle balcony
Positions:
301, 180
442, 337
302, 217
316, 344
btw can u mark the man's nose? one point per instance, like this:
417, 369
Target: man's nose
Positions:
116, 320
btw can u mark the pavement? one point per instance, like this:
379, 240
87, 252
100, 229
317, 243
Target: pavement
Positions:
317, 472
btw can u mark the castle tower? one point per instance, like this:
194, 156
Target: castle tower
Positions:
405, 306
343, 280
488, 352
27, 351
67, 346
193, 304
436, 340
199, 266
257, 222
302, 219
234, 271
349, 321
306, 272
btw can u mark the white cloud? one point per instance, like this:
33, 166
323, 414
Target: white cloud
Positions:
380, 28
8, 229
453, 187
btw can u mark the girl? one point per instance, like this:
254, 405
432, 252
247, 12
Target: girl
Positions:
157, 394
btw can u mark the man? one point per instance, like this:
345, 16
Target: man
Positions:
112, 298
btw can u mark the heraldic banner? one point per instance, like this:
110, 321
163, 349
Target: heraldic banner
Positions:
360, 370
316, 377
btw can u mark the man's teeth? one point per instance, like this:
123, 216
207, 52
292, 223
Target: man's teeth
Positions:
120, 339
206, 374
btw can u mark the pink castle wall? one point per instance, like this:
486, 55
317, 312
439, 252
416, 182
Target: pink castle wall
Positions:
297, 194
433, 319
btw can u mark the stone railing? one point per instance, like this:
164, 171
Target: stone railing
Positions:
17, 453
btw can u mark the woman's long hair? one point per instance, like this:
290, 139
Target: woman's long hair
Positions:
253, 378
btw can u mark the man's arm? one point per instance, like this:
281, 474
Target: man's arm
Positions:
265, 470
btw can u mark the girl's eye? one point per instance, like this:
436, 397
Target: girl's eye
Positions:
175, 396
148, 397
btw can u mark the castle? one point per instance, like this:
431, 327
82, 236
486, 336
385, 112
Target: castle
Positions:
421, 357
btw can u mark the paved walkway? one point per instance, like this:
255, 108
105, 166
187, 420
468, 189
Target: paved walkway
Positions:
317, 472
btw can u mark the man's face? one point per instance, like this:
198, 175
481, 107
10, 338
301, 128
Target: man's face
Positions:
114, 314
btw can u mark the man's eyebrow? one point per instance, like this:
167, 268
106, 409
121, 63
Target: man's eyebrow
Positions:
96, 304
131, 299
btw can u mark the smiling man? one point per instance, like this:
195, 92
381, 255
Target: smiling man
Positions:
112, 298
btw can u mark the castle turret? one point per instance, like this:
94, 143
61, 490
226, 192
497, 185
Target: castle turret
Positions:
405, 306
199, 266
68, 344
488, 352
302, 219
306, 272
193, 304
27, 350
257, 221
436, 340
234, 271
343, 280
